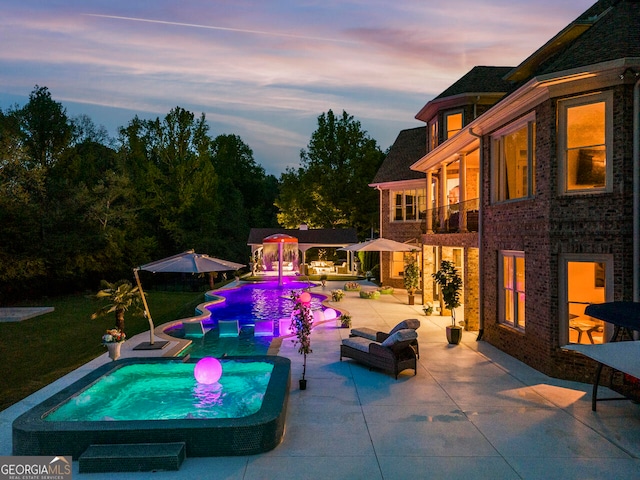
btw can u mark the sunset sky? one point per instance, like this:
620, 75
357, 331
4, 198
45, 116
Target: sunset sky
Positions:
264, 70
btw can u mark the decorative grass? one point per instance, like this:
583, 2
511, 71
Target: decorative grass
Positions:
38, 351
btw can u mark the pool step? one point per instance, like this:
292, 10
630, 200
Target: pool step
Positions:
132, 457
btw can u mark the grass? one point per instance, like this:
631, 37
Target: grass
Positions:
38, 351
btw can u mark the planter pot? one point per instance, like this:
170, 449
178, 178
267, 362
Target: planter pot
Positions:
454, 334
114, 350
412, 300
303, 383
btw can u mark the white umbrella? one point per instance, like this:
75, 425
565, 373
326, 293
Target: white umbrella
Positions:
190, 262
187, 262
380, 245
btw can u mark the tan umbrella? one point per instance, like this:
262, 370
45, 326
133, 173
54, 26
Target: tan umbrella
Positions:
380, 245
186, 262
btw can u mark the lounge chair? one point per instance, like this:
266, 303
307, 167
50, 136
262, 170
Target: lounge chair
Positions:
393, 355
378, 336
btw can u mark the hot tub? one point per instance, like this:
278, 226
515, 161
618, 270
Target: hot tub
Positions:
38, 432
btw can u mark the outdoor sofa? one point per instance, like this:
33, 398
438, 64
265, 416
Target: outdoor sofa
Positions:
393, 355
378, 336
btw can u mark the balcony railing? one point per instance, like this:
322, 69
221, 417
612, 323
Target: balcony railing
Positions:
457, 217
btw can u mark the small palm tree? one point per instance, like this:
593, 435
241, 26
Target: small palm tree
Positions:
121, 296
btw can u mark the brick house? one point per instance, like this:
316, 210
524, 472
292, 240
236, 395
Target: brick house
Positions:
559, 190
440, 212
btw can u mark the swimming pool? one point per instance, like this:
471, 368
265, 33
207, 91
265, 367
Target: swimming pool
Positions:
165, 391
248, 303
261, 431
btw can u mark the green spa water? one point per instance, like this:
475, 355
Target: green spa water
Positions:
162, 391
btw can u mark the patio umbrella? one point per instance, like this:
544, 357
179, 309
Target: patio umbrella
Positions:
190, 262
379, 245
186, 262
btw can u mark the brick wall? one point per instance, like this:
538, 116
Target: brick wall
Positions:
549, 225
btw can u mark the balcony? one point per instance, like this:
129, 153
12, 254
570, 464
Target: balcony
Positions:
455, 218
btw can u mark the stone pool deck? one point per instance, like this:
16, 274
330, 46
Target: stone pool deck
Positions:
471, 412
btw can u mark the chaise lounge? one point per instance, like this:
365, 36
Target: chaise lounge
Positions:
393, 355
378, 336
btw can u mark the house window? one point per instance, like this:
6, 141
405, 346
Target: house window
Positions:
585, 279
585, 133
453, 124
398, 261
513, 161
433, 134
512, 289
408, 205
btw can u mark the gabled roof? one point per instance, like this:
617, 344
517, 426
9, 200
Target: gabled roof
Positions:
316, 236
480, 85
409, 147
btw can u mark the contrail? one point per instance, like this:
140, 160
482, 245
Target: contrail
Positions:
209, 27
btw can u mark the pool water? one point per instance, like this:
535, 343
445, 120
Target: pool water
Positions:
166, 391
247, 303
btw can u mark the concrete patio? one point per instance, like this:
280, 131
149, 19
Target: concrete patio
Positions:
471, 412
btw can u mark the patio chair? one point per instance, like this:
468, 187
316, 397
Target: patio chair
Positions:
378, 336
393, 355
228, 328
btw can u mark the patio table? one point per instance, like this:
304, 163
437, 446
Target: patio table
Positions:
622, 356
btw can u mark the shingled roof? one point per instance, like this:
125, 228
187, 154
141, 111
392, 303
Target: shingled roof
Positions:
409, 147
480, 79
615, 35
608, 30
315, 236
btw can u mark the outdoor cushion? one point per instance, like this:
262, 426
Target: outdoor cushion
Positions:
365, 332
412, 323
358, 343
399, 336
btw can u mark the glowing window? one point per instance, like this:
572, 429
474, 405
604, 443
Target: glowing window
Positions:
453, 123
408, 205
512, 291
585, 142
513, 162
586, 284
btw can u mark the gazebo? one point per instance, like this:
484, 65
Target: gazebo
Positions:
307, 238
280, 252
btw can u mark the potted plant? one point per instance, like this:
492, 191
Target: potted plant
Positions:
428, 308
301, 322
337, 295
345, 320
450, 286
323, 280
352, 287
113, 340
411, 277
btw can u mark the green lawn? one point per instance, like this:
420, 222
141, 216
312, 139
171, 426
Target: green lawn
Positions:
37, 351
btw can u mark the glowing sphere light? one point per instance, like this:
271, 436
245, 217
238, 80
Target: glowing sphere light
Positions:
305, 297
330, 314
208, 370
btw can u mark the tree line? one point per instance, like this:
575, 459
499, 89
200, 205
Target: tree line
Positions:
77, 206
